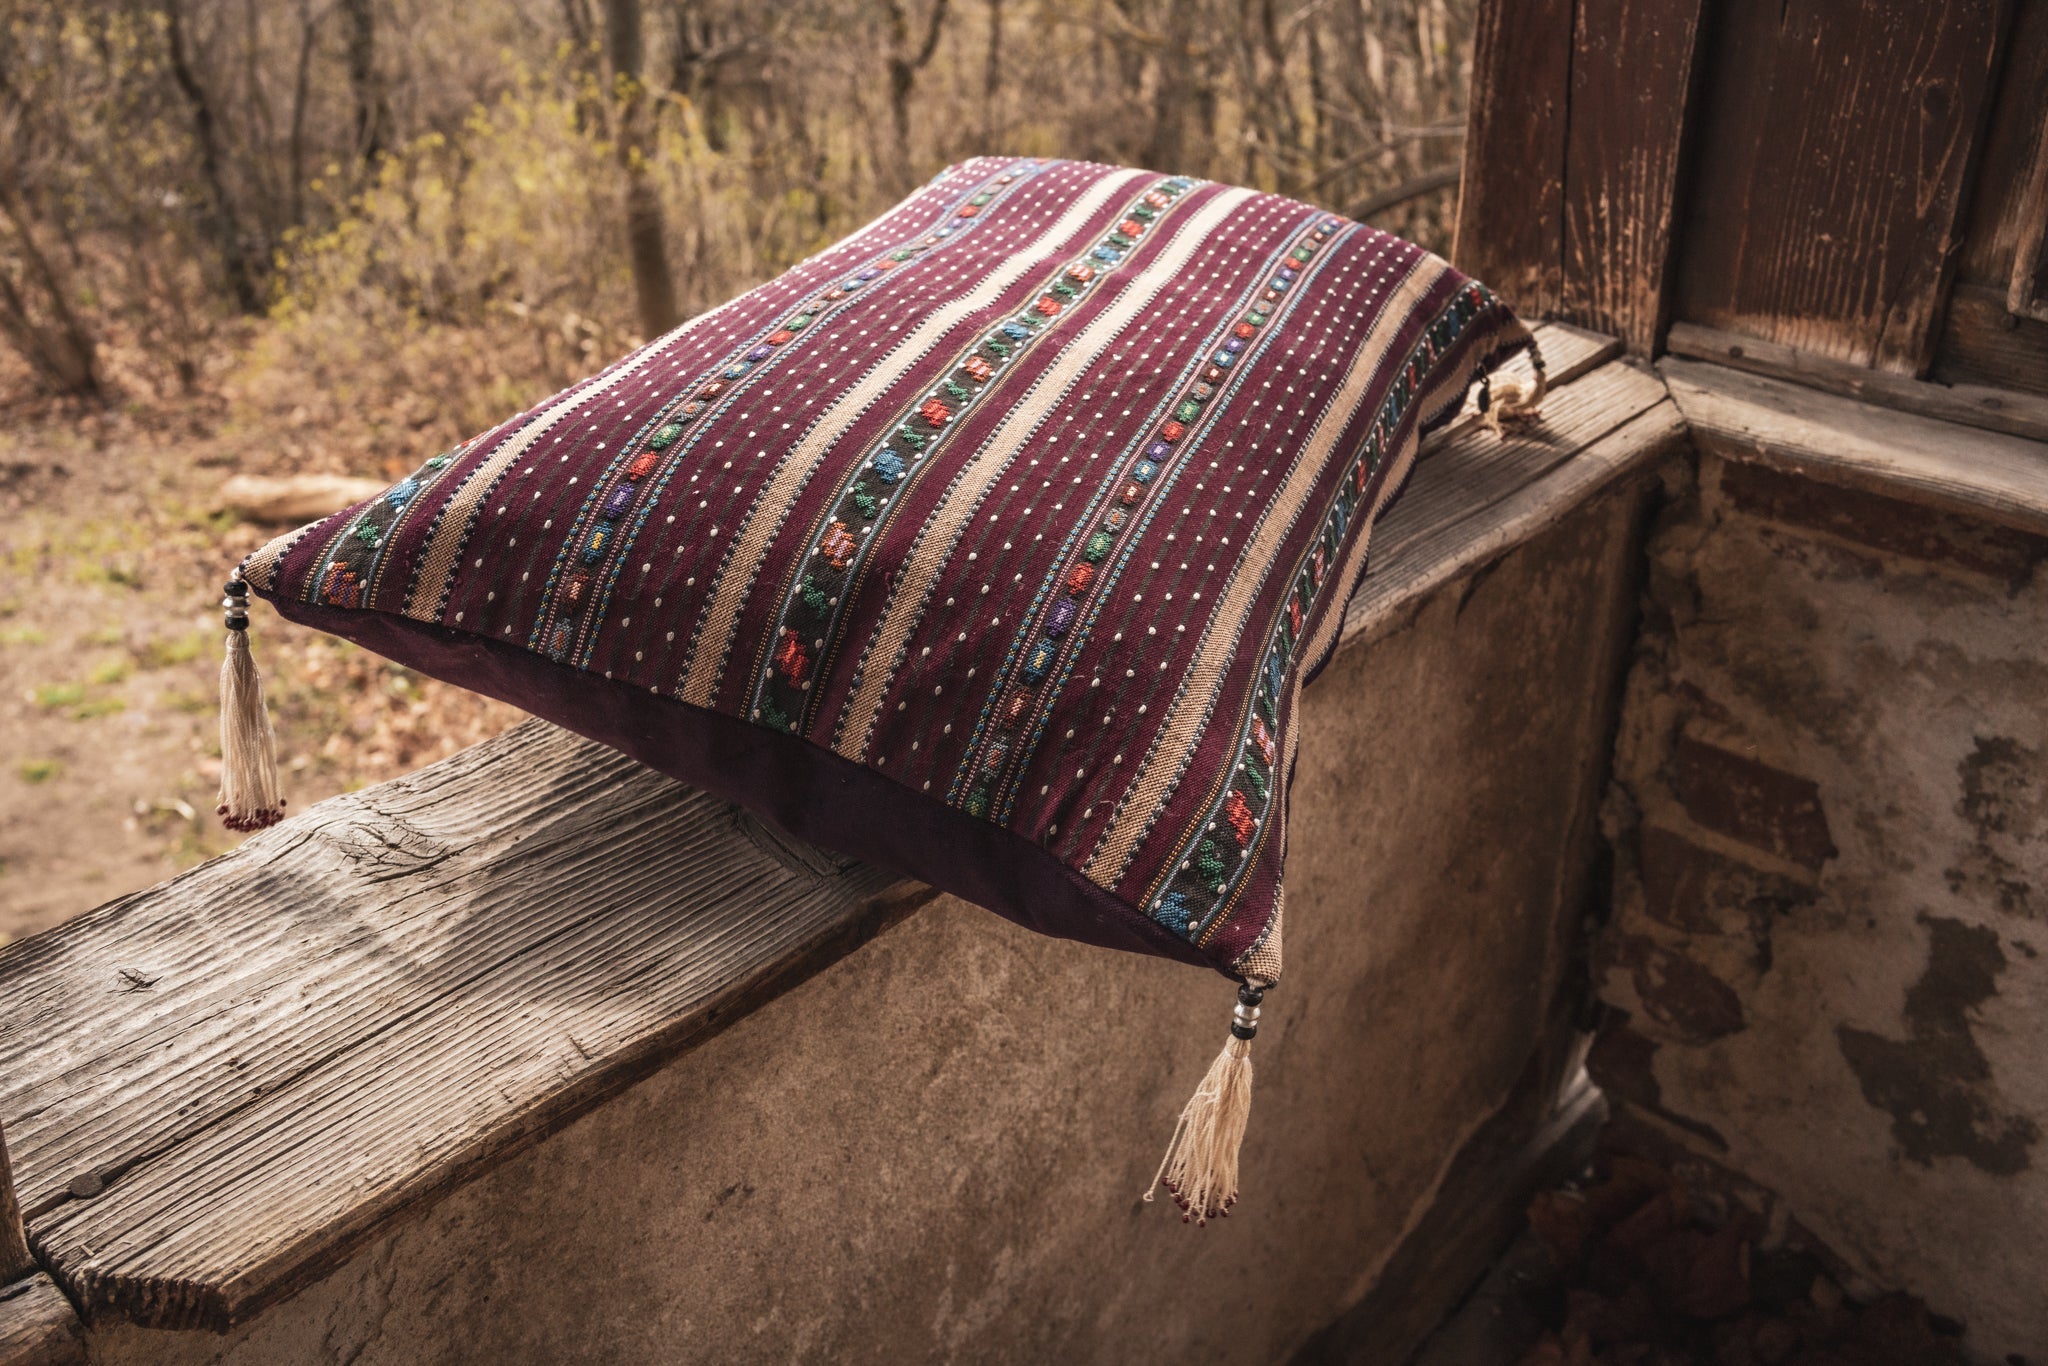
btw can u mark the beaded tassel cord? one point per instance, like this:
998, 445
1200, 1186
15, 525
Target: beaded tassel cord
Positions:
1200, 1167
249, 797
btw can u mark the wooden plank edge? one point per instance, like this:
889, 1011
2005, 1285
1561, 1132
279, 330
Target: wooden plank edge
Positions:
38, 1326
1712, 397
1974, 405
150, 1303
1490, 533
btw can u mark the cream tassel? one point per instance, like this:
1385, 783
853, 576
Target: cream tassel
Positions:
249, 798
1513, 402
1200, 1166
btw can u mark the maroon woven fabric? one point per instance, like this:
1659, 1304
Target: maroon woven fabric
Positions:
992, 544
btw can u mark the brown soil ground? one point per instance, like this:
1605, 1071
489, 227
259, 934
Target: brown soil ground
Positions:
112, 555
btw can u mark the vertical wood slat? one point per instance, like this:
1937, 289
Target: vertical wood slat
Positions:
1631, 87
15, 1258
1511, 195
2015, 145
1836, 142
1572, 146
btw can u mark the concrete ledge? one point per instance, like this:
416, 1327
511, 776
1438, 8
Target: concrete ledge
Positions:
372, 1006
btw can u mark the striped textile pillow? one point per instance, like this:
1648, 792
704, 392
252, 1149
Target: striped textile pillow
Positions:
992, 544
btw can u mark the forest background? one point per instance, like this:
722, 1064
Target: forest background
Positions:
298, 237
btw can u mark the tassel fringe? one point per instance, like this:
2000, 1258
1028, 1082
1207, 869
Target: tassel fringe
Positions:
1200, 1167
1513, 402
249, 796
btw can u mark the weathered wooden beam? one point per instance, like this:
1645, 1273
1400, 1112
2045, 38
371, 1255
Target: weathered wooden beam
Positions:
1834, 150
1578, 116
1987, 475
1974, 405
1982, 343
38, 1326
1631, 92
357, 1010
1511, 192
366, 1006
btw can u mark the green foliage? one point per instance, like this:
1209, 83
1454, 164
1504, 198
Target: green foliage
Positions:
39, 770
53, 695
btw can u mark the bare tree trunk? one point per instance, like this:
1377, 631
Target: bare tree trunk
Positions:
905, 62
61, 352
301, 89
373, 113
992, 75
234, 244
652, 283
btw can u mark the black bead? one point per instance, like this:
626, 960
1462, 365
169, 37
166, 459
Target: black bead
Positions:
1251, 995
236, 588
237, 623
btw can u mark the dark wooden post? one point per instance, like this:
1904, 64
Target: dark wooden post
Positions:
15, 1258
1572, 150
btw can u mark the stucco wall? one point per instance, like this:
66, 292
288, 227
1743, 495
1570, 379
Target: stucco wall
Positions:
934, 1149
1831, 838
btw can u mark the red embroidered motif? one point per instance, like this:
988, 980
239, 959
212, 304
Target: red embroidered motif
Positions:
1242, 823
343, 588
838, 545
791, 657
1082, 575
935, 412
1049, 306
978, 368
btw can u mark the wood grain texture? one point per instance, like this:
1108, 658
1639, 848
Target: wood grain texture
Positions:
1477, 496
371, 1003
1835, 141
38, 1326
1511, 193
1975, 405
2001, 479
362, 1007
1631, 88
2003, 196
1983, 343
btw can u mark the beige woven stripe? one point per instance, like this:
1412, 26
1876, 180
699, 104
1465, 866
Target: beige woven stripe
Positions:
1430, 401
1263, 960
1154, 779
260, 569
705, 667
941, 531
452, 531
